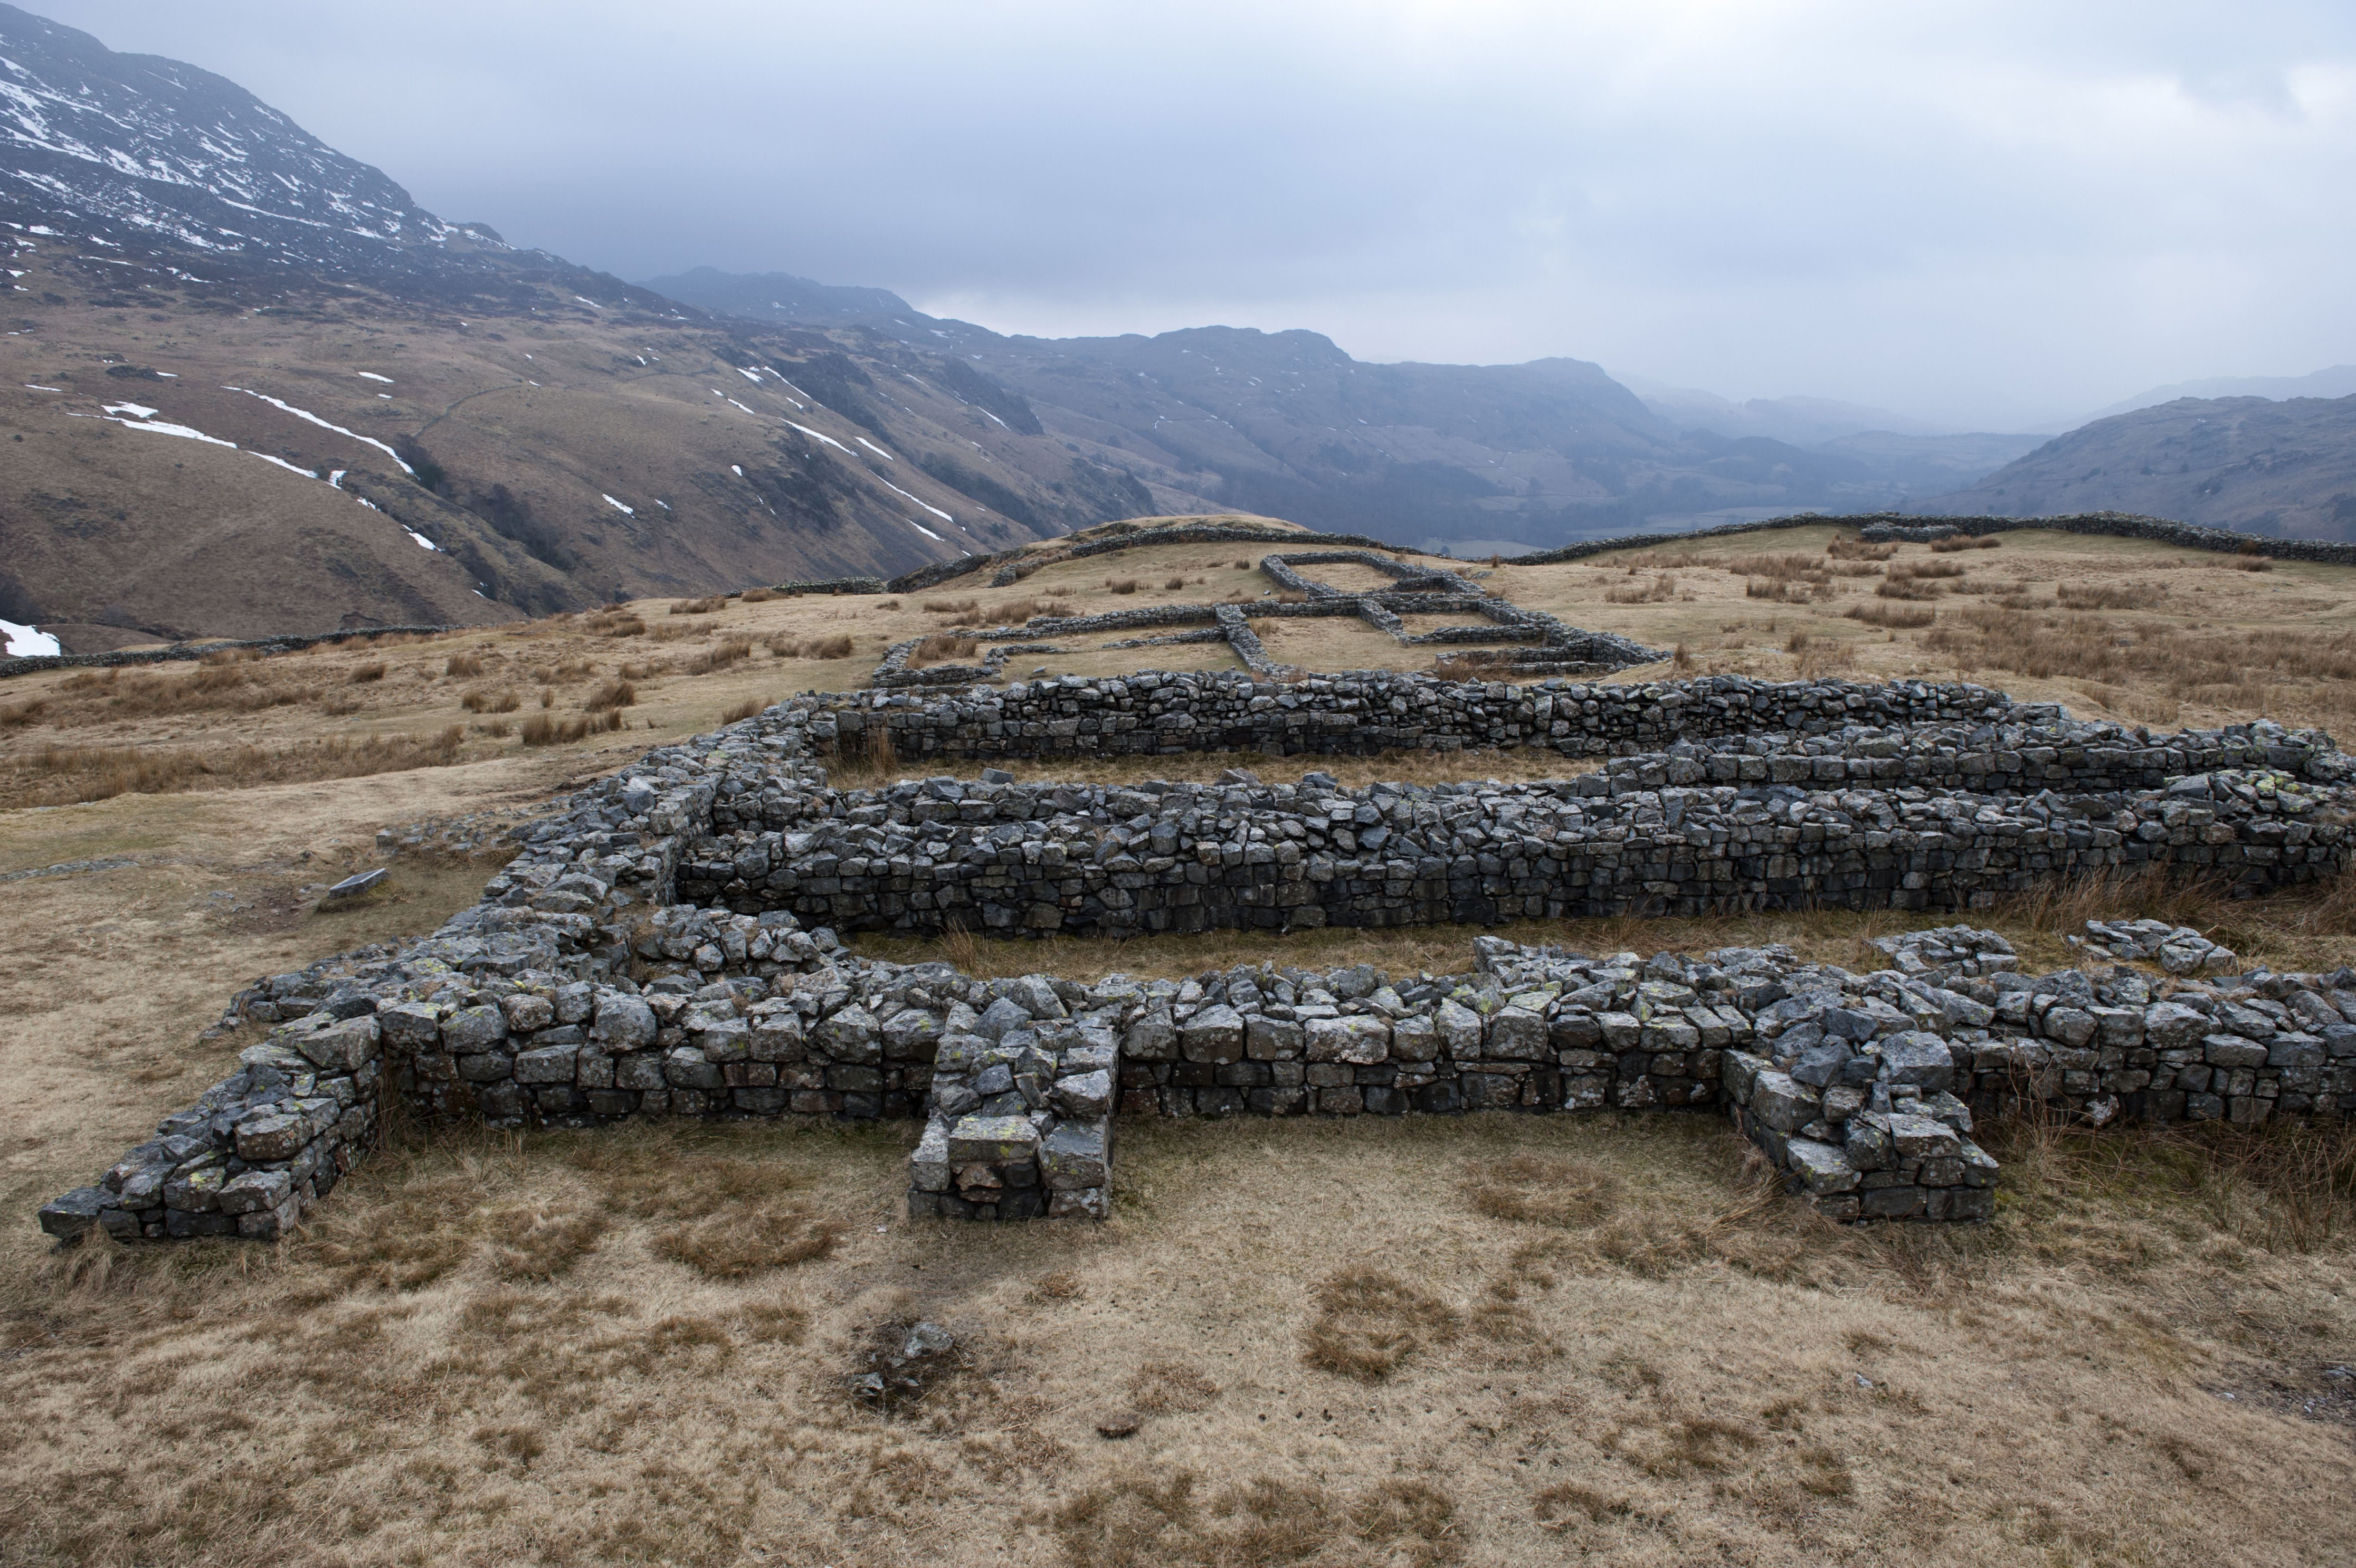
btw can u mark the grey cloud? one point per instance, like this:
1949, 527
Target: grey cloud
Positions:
1981, 213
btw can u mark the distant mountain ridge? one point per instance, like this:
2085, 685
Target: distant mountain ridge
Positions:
1483, 457
776, 296
2285, 468
2334, 381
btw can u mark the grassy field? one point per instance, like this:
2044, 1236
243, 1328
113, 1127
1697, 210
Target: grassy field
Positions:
1486, 1340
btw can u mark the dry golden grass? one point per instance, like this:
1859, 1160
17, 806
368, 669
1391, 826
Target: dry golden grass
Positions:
1367, 1322
495, 1342
1887, 614
60, 775
1662, 589
943, 648
616, 693
1965, 541
542, 729
1619, 1342
743, 710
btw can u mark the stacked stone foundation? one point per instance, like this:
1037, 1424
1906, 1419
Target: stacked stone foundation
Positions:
670, 941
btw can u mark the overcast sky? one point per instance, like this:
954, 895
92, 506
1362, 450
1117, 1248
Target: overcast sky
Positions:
1985, 214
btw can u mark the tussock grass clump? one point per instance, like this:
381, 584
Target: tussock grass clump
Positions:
943, 648
709, 604
2108, 595
743, 710
615, 623
759, 596
1890, 614
738, 1246
725, 1217
952, 606
1173, 584
1137, 1520
535, 1243
1121, 584
74, 775
543, 729
1662, 589
1788, 591
1965, 541
504, 700
1159, 1388
19, 715
782, 645
612, 693
234, 687
1368, 1322
835, 647
1851, 548
722, 655
1543, 1189
463, 665
1784, 567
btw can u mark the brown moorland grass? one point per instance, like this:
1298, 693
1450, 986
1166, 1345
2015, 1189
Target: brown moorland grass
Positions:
65, 775
943, 648
495, 1332
459, 1358
1890, 614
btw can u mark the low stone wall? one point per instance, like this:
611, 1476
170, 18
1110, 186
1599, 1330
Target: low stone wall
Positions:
2110, 524
1017, 860
32, 663
1169, 713
605, 972
832, 586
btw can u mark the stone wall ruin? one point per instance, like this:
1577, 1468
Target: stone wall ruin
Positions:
668, 941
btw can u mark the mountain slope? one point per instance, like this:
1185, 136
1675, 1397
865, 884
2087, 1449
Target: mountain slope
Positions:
2337, 381
224, 337
2248, 463
776, 296
146, 155
1215, 419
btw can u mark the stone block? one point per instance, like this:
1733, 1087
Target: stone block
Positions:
1085, 1095
270, 1136
554, 1064
992, 1140
1820, 1168
472, 1029
1215, 1034
1917, 1059
1360, 1040
1780, 1101
1277, 1039
852, 1035
1075, 1156
1517, 1035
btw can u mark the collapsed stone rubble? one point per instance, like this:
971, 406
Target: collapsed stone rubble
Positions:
1418, 590
668, 941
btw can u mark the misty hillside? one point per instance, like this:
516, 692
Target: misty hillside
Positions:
776, 296
2335, 380
251, 386
2247, 463
1216, 419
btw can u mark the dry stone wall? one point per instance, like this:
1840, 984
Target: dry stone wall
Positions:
666, 941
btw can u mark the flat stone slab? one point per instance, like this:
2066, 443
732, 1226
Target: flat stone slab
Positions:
992, 1140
